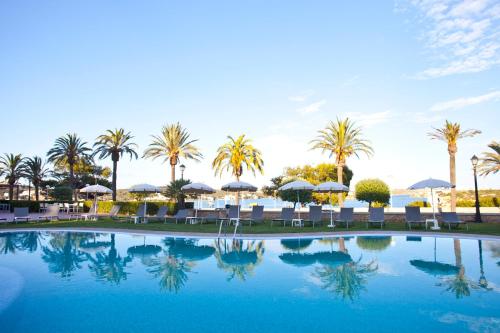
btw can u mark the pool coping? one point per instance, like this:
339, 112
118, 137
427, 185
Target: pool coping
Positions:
202, 235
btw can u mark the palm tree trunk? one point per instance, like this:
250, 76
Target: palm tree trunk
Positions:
72, 180
172, 172
37, 192
115, 168
11, 191
342, 245
453, 181
458, 252
340, 171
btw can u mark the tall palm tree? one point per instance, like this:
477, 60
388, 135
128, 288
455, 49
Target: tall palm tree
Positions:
343, 139
236, 154
35, 170
490, 162
11, 167
451, 133
115, 144
173, 144
67, 151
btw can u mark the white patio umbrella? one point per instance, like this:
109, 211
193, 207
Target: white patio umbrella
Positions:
95, 190
432, 184
198, 189
144, 188
331, 187
297, 185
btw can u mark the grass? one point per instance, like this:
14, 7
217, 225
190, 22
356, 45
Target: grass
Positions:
265, 228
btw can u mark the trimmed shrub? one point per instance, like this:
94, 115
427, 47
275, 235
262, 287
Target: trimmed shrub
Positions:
373, 190
130, 207
483, 202
419, 204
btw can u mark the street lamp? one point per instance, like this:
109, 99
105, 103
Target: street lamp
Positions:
182, 167
474, 161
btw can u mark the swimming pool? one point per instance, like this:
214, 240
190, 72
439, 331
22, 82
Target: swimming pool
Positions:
104, 282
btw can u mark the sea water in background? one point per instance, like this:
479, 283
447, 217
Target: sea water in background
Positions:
397, 201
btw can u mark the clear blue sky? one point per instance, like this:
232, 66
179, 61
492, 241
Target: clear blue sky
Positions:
274, 70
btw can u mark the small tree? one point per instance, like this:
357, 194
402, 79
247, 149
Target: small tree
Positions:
373, 190
174, 191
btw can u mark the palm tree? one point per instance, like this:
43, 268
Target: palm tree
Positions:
451, 133
34, 169
234, 155
342, 139
173, 144
11, 167
174, 191
68, 150
115, 144
490, 162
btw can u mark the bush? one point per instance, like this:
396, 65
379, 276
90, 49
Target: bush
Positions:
483, 202
373, 190
419, 204
130, 207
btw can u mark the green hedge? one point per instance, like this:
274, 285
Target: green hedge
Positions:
419, 204
130, 207
483, 202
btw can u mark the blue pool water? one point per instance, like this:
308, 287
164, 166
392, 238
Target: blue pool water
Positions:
101, 282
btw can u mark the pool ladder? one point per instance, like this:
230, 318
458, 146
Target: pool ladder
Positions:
229, 221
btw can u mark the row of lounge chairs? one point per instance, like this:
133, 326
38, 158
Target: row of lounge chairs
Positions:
376, 217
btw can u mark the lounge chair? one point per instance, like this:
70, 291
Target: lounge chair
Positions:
113, 213
232, 214
450, 218
140, 215
257, 215
180, 215
315, 215
161, 214
413, 216
21, 213
50, 213
286, 215
376, 217
92, 214
212, 217
346, 217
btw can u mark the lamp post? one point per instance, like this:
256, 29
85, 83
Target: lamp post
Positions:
474, 161
182, 167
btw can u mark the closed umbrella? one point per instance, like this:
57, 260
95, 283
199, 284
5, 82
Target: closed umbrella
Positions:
144, 188
297, 185
331, 187
198, 189
432, 184
237, 187
95, 190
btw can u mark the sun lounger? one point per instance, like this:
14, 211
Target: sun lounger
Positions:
50, 213
92, 214
413, 216
21, 214
286, 216
140, 215
376, 217
181, 214
451, 218
232, 214
113, 213
161, 214
345, 217
257, 215
315, 215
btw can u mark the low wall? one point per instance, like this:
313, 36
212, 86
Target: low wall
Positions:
358, 216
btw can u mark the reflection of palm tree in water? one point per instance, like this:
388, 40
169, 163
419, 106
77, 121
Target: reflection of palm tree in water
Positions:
30, 241
239, 258
109, 266
9, 243
345, 280
172, 269
460, 284
62, 256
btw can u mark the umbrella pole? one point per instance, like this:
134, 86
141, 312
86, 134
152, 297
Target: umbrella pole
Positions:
298, 201
433, 208
331, 208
